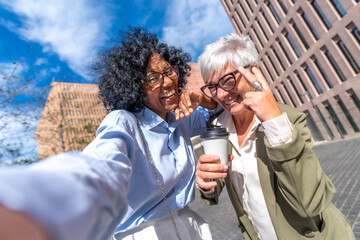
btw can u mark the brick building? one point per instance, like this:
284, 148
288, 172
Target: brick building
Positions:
70, 118
310, 55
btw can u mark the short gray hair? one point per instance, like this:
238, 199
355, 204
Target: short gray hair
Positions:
234, 50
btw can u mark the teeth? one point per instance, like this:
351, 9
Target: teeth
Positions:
232, 100
168, 94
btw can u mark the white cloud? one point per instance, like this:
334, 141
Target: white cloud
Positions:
40, 61
72, 29
194, 24
55, 70
15, 68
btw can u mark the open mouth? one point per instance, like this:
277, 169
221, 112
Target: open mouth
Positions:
168, 95
230, 101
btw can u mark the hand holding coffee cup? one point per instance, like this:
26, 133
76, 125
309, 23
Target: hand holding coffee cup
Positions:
215, 142
212, 164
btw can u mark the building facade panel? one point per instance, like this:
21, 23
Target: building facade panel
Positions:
311, 52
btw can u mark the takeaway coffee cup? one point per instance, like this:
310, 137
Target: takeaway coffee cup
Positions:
215, 142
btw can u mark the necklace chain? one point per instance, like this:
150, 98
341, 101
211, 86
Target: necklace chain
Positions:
158, 182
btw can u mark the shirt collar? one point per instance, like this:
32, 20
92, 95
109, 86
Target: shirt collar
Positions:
148, 119
225, 119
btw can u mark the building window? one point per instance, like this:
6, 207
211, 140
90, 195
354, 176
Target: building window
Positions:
282, 6
236, 24
262, 29
249, 6
288, 93
335, 65
315, 132
267, 69
267, 20
272, 64
293, 44
281, 96
321, 14
310, 26
241, 20
274, 13
297, 92
227, 6
303, 84
348, 56
335, 119
242, 8
347, 114
323, 74
284, 51
257, 35
278, 58
302, 38
355, 98
356, 34
313, 80
339, 8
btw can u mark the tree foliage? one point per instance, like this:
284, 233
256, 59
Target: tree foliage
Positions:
20, 106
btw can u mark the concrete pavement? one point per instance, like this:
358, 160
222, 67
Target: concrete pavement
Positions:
340, 161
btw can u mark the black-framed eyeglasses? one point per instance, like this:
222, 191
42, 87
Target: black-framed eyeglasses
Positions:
227, 82
156, 79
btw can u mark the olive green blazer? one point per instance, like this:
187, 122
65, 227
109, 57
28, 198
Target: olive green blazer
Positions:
297, 192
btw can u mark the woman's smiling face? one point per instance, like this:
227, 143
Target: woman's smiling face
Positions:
232, 100
164, 98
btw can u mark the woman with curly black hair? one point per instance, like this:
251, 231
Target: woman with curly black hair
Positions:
122, 69
148, 133
136, 178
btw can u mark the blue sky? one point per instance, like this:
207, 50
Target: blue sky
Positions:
58, 39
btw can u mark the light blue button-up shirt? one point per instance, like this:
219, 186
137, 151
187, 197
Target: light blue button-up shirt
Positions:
111, 185
118, 138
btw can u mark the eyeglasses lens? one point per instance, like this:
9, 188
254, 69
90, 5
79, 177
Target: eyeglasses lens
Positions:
156, 79
227, 82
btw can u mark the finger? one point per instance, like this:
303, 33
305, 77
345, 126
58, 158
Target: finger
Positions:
177, 113
206, 185
207, 158
231, 157
259, 77
211, 175
184, 109
212, 167
247, 75
251, 94
187, 99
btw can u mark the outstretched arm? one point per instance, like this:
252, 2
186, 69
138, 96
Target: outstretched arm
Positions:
16, 225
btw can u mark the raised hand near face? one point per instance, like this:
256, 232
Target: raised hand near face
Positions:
260, 101
189, 101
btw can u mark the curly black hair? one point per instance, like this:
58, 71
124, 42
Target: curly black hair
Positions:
122, 67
